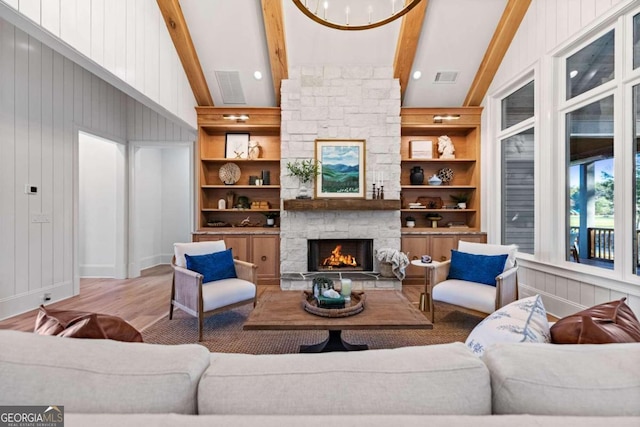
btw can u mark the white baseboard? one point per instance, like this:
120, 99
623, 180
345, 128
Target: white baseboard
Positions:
97, 270
18, 304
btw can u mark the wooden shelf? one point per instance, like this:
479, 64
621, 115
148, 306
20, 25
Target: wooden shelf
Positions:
239, 210
244, 187
218, 159
438, 160
438, 210
342, 205
438, 187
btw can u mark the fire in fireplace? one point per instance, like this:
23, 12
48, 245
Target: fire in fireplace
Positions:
338, 259
340, 254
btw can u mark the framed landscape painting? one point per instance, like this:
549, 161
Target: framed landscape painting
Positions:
341, 168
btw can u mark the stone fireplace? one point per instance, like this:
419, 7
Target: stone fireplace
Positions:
339, 103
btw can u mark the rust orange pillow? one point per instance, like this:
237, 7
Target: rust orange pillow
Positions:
79, 324
611, 322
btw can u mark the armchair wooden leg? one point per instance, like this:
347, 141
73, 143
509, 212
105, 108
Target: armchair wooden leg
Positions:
171, 310
200, 327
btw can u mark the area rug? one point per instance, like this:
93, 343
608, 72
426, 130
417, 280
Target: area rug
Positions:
223, 333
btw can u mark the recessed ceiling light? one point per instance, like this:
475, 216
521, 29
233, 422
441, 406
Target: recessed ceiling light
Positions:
573, 73
417, 75
257, 75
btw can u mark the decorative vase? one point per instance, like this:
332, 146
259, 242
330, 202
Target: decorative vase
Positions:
411, 224
462, 205
303, 192
271, 222
417, 176
434, 180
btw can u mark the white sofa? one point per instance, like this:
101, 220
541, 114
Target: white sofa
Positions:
110, 383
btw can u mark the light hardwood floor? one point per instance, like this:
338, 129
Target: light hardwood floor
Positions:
140, 301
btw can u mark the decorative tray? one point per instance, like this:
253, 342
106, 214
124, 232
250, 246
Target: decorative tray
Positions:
310, 305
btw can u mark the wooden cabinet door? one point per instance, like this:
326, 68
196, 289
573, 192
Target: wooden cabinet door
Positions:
239, 246
415, 246
440, 246
475, 238
206, 237
265, 253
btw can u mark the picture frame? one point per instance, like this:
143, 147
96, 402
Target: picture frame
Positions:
421, 149
342, 168
236, 146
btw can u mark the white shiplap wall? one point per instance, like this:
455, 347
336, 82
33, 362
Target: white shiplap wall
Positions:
547, 25
127, 38
44, 100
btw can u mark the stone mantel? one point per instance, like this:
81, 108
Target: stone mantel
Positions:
341, 205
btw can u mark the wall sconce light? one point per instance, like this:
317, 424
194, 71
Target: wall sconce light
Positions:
439, 118
236, 117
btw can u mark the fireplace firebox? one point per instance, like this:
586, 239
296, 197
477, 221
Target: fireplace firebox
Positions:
340, 255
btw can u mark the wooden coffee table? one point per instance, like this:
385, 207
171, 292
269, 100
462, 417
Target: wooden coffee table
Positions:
282, 310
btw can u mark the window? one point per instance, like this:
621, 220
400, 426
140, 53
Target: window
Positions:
636, 41
517, 159
589, 164
591, 66
636, 180
518, 106
518, 210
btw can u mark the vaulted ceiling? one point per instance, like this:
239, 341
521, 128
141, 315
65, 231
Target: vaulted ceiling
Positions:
222, 43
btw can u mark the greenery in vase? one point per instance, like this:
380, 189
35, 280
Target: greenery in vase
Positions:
460, 198
305, 170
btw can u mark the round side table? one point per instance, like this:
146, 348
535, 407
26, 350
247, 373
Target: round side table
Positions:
426, 301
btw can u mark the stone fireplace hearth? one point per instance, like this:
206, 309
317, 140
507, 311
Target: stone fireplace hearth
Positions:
339, 103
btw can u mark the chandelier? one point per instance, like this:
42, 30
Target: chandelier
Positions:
355, 14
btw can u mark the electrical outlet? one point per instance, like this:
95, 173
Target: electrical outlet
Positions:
46, 297
30, 189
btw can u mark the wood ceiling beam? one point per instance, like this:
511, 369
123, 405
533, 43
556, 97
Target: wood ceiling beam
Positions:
274, 29
177, 27
407, 46
509, 23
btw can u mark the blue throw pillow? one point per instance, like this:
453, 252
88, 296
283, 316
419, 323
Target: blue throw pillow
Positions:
476, 268
215, 266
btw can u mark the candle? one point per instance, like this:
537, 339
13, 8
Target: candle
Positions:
345, 291
370, 9
326, 6
346, 11
393, 7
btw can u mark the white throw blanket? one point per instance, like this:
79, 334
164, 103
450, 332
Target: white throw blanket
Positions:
397, 259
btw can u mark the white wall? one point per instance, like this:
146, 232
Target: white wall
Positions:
176, 199
127, 38
161, 203
44, 100
101, 204
547, 25
148, 207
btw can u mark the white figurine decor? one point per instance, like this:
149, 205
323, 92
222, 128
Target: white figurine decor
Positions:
446, 148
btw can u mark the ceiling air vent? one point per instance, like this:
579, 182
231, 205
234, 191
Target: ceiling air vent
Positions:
446, 77
230, 87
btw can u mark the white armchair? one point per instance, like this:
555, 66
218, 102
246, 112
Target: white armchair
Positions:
191, 295
477, 297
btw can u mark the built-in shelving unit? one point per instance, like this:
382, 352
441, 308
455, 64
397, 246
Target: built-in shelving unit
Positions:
254, 242
418, 124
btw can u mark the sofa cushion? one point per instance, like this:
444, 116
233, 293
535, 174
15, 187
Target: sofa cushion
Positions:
226, 292
489, 249
81, 324
213, 266
547, 379
524, 320
196, 248
412, 380
476, 268
611, 322
474, 296
99, 376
